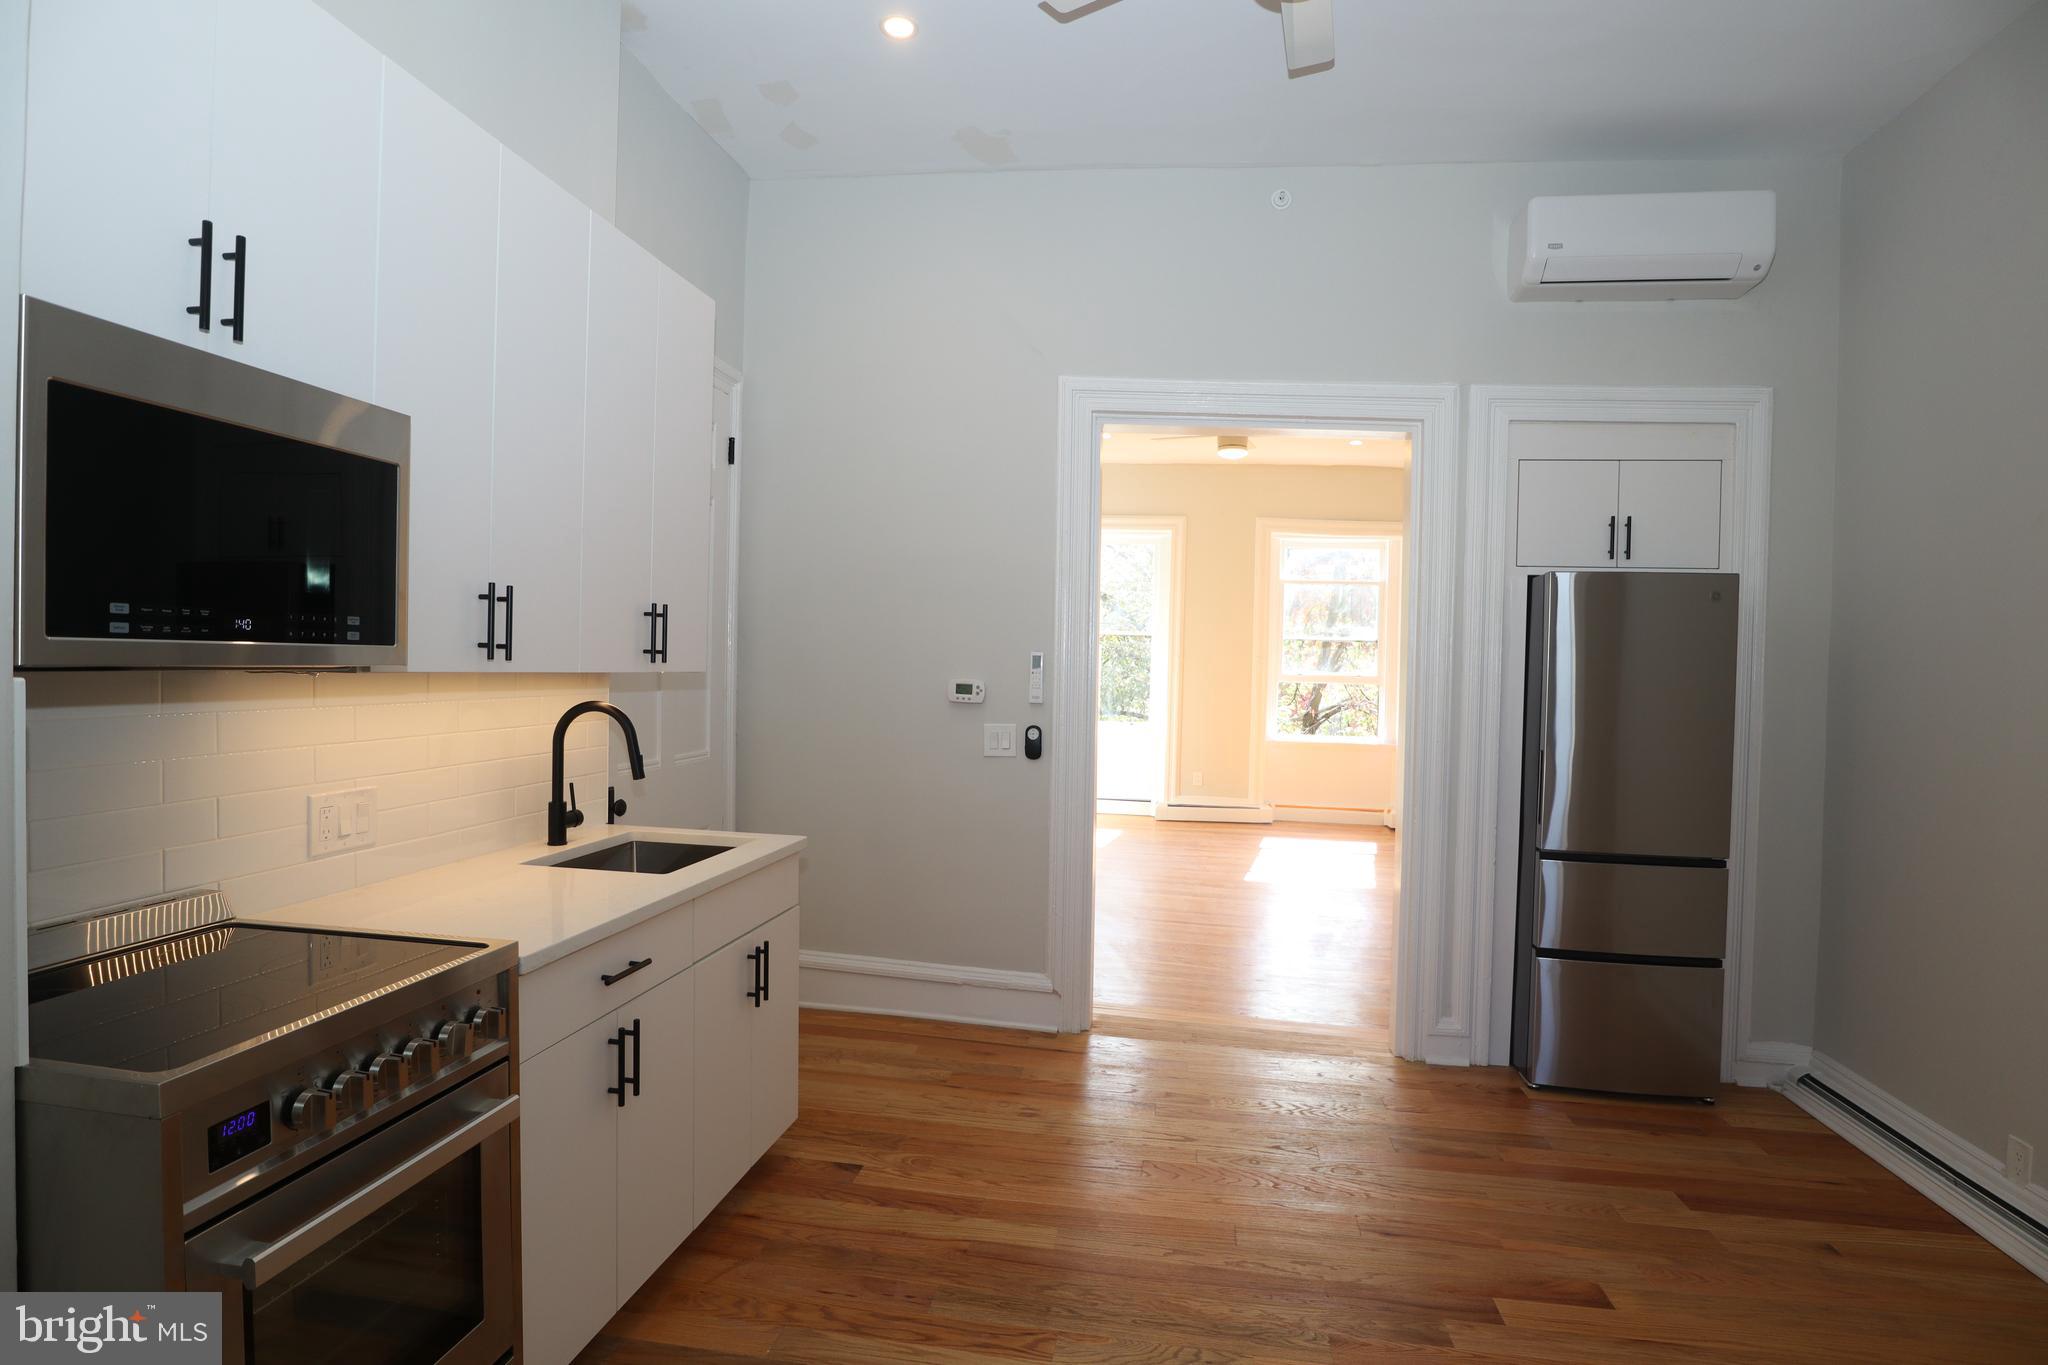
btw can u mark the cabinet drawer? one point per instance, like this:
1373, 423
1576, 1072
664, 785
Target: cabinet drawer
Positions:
564, 996
723, 915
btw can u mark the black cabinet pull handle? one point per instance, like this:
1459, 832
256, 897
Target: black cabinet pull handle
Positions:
240, 256
632, 965
618, 1040
653, 616
759, 957
767, 973
1610, 537
1628, 539
203, 310
634, 1079
489, 597
664, 632
507, 600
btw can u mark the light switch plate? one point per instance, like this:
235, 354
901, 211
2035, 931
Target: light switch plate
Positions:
998, 741
338, 822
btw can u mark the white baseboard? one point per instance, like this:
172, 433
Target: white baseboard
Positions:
1107, 807
1443, 1049
1963, 1157
1767, 1064
1216, 815
1326, 815
927, 990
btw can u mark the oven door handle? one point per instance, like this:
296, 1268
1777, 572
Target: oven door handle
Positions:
235, 1257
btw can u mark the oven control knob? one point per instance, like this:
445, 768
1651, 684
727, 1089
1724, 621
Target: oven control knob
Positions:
309, 1110
351, 1091
388, 1073
454, 1039
422, 1057
488, 1021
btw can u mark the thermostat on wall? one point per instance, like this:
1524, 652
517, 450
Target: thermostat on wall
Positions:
964, 691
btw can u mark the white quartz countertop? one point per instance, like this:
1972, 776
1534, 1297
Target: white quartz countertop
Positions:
550, 911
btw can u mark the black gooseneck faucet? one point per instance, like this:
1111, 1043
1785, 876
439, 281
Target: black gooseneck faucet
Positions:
563, 815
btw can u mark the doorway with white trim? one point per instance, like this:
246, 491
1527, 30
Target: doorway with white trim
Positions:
1250, 626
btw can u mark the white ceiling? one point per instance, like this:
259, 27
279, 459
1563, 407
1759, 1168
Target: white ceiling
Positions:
1122, 444
811, 87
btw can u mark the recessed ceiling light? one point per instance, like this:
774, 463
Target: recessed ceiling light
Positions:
1358, 443
899, 27
1232, 448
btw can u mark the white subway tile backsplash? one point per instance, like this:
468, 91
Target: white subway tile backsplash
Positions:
59, 792
203, 864
415, 718
260, 891
225, 774
296, 728
144, 782
117, 834
369, 758
60, 892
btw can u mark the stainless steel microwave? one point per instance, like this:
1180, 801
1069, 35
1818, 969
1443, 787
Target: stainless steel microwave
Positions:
181, 510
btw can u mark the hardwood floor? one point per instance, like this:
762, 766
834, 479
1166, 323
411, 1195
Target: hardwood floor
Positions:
1236, 1170
1288, 922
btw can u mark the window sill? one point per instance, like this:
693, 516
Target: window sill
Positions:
1354, 741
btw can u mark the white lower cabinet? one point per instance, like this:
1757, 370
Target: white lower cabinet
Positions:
609, 1190
569, 1181
656, 1130
746, 1089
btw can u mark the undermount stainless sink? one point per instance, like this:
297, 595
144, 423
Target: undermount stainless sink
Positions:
651, 856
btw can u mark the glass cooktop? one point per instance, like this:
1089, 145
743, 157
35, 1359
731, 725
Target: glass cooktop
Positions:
166, 1004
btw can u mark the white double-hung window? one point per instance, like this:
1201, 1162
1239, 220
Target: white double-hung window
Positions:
1332, 638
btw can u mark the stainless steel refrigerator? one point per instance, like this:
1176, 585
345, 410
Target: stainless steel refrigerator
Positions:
1627, 762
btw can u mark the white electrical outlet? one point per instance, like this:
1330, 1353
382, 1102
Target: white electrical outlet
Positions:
337, 822
2019, 1161
1195, 780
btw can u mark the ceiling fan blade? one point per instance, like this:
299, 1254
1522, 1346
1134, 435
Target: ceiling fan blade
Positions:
1072, 11
1310, 30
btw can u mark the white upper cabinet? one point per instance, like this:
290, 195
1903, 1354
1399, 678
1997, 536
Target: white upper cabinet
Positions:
537, 457
1618, 514
437, 280
120, 118
682, 530
1671, 514
618, 456
1565, 514
295, 145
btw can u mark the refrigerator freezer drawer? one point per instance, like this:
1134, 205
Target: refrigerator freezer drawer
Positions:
1625, 1027
1631, 908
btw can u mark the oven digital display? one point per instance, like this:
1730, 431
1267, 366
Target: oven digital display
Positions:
234, 1138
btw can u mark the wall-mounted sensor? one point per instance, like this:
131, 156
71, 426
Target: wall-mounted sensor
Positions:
966, 691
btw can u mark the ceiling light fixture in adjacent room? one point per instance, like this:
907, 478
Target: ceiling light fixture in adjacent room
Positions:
1232, 447
900, 26
1358, 443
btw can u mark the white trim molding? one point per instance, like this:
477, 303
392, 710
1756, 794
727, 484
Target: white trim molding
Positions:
1771, 1064
1432, 981
1479, 912
1964, 1158
926, 990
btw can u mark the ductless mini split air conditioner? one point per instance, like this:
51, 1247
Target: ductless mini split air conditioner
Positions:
1578, 248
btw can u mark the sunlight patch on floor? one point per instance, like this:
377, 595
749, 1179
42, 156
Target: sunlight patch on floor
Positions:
1105, 837
1311, 864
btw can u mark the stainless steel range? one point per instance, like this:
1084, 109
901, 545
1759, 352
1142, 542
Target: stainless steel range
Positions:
319, 1125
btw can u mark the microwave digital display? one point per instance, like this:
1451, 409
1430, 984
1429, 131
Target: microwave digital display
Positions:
165, 524
237, 1136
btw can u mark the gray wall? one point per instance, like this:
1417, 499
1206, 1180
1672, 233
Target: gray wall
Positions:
548, 79
1934, 945
684, 199
905, 339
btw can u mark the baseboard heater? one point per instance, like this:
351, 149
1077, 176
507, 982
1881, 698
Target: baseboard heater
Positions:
2018, 1220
